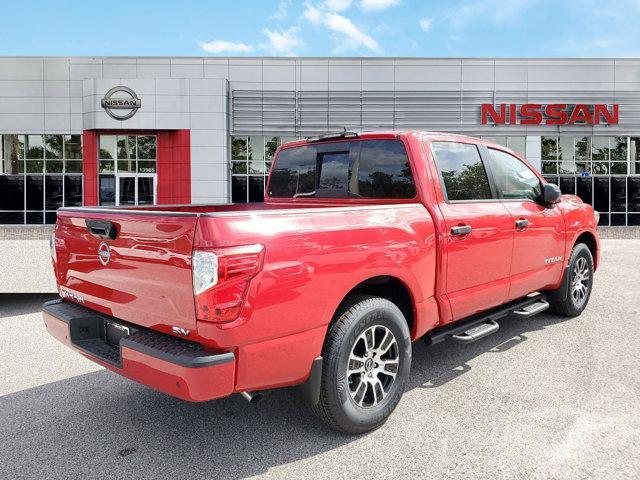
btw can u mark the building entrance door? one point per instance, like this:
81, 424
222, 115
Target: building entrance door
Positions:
127, 170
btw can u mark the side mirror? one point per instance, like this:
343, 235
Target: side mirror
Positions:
550, 193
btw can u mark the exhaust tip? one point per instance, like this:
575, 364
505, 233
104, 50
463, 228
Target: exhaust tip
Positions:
252, 397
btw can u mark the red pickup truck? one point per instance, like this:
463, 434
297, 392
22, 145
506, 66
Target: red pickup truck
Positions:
364, 243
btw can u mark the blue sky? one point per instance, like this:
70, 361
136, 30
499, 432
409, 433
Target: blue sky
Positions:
470, 28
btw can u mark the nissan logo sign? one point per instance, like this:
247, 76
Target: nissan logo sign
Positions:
104, 253
121, 107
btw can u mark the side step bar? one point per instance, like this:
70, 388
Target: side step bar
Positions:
477, 332
482, 324
533, 309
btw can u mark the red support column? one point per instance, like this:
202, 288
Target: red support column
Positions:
174, 166
90, 167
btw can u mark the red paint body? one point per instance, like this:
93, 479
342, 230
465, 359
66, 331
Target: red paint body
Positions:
315, 252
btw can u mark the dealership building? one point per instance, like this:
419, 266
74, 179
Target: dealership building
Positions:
154, 130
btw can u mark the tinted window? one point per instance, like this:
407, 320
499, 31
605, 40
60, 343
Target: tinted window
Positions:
362, 169
35, 192
11, 193
513, 178
295, 173
334, 174
52, 192
462, 171
73, 190
382, 171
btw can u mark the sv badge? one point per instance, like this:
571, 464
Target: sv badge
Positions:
180, 331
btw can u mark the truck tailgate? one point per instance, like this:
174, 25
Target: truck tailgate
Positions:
147, 278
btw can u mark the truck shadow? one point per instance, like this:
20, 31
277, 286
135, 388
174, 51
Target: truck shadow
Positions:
434, 366
13, 304
100, 424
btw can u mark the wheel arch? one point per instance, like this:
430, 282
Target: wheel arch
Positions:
388, 287
589, 239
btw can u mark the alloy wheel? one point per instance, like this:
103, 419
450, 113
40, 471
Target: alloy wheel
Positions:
580, 281
372, 366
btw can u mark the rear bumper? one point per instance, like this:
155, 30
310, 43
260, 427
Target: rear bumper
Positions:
171, 365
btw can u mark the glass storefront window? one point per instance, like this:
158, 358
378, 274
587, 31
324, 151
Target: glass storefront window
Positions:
565, 156
107, 149
146, 145
41, 173
53, 146
73, 147
618, 149
600, 155
13, 152
251, 158
549, 148
270, 147
34, 146
238, 148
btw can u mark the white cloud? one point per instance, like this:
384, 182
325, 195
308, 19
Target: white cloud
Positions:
355, 37
224, 46
282, 11
377, 5
313, 14
350, 36
425, 24
283, 42
337, 5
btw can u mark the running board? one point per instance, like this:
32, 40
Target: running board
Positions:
465, 329
477, 332
532, 309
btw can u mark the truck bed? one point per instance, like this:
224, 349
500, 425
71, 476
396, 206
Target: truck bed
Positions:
148, 280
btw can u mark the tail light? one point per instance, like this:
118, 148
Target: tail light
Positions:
221, 279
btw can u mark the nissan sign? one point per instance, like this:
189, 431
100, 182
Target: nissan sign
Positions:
121, 107
550, 114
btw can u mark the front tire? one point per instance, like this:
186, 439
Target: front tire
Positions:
572, 297
367, 358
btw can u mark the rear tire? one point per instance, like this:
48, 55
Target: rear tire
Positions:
572, 297
367, 357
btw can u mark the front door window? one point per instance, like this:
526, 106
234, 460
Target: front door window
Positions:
127, 170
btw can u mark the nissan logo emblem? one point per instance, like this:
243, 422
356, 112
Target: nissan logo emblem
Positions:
104, 253
121, 107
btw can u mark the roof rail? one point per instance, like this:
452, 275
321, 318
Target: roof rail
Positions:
332, 136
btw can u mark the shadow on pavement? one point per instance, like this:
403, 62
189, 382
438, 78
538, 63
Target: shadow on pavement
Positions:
100, 424
12, 304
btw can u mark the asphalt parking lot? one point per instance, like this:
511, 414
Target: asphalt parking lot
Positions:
542, 398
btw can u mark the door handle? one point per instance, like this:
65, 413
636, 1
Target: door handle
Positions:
102, 229
522, 223
461, 230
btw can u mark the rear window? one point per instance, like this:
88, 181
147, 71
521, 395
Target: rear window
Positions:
359, 169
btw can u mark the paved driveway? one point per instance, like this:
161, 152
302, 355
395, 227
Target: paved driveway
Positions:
544, 397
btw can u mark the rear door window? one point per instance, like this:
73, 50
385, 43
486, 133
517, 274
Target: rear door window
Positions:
463, 174
382, 171
357, 169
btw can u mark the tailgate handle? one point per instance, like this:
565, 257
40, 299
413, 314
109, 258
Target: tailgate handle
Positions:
103, 229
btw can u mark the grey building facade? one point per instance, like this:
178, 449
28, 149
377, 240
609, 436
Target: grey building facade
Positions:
205, 130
